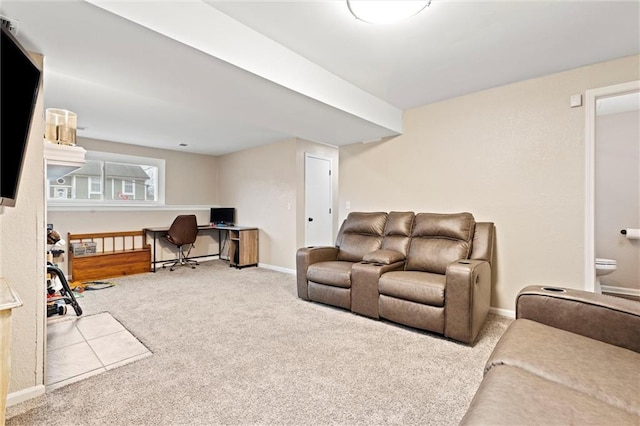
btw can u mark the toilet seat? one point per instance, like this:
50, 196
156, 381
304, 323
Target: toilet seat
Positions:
605, 262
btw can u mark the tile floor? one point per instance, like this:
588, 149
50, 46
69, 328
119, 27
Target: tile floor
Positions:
84, 346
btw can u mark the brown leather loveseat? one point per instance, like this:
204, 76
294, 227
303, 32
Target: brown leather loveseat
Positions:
428, 271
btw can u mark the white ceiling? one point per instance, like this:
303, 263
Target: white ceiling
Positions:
224, 76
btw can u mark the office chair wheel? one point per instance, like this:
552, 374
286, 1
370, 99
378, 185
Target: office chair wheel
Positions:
62, 309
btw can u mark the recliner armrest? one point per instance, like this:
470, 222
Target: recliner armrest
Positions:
384, 257
609, 319
318, 253
307, 256
467, 298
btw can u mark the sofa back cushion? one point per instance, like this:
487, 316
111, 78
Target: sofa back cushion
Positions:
361, 233
439, 239
397, 232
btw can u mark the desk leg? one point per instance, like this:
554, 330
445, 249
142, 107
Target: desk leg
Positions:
154, 251
223, 234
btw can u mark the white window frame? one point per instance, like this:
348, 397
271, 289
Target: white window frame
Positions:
92, 181
125, 184
124, 159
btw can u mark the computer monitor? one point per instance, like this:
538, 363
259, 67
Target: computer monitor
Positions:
222, 215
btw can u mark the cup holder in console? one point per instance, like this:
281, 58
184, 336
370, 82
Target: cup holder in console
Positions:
554, 289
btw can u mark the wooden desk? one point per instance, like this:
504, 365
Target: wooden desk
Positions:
243, 243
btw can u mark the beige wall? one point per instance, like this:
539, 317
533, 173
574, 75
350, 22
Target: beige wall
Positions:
260, 184
617, 195
22, 261
513, 155
266, 186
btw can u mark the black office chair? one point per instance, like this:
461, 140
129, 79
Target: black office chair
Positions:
182, 234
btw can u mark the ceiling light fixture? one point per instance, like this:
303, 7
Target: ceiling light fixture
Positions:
385, 12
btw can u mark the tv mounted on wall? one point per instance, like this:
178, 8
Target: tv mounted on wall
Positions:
222, 215
19, 85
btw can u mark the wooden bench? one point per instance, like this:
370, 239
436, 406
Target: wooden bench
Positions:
117, 254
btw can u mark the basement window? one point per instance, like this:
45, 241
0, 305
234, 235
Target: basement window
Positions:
108, 179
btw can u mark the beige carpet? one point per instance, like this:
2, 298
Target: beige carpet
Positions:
237, 347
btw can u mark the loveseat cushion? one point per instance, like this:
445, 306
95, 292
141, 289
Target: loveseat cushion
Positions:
512, 396
361, 233
397, 232
439, 239
335, 273
419, 287
606, 372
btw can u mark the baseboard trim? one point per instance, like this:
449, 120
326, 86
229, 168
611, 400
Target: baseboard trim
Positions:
503, 312
277, 268
25, 394
621, 290
203, 258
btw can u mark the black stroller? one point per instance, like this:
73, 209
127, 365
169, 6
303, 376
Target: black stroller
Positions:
57, 300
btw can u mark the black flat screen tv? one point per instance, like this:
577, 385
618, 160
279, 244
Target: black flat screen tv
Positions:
19, 85
222, 215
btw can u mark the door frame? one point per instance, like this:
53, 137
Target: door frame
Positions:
591, 97
320, 157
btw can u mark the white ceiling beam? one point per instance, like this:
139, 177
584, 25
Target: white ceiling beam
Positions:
206, 29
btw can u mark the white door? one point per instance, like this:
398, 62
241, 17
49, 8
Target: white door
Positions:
317, 201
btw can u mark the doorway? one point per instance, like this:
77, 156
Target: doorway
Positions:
318, 201
612, 186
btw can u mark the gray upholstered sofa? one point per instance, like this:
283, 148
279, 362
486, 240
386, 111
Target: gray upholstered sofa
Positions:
570, 357
428, 271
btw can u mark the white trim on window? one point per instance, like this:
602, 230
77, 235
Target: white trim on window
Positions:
94, 181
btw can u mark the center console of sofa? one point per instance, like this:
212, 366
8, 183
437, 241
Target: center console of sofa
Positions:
429, 271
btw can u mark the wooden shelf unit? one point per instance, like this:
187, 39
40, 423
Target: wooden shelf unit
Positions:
243, 247
118, 253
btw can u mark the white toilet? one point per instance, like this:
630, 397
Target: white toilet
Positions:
603, 267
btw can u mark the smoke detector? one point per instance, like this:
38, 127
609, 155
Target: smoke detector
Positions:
10, 24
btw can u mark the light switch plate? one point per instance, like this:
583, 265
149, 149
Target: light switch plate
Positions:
575, 101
